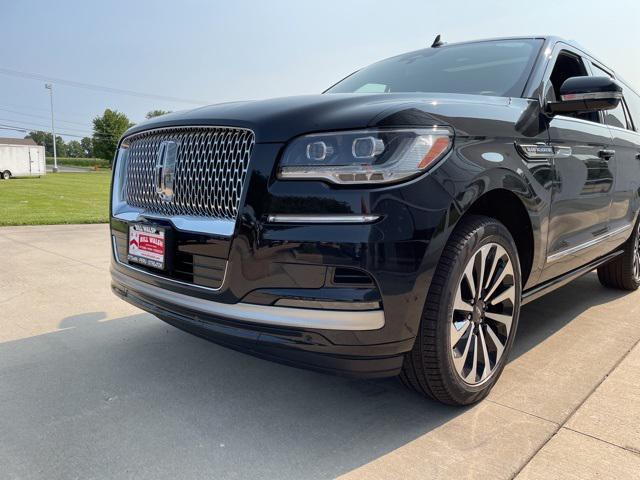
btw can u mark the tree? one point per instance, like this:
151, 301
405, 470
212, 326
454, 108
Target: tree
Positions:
44, 138
87, 147
61, 147
107, 130
156, 113
74, 149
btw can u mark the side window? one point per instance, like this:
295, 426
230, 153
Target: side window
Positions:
569, 65
617, 116
633, 102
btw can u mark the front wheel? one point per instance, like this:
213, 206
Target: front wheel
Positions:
470, 315
6, 175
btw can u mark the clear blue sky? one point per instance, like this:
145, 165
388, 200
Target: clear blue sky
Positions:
235, 50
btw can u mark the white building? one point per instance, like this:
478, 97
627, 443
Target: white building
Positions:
21, 157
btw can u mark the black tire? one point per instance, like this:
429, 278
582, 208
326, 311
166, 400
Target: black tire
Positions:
623, 272
6, 175
429, 367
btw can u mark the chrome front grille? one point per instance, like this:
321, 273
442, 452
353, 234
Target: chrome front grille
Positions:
210, 169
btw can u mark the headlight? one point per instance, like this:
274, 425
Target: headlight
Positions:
365, 156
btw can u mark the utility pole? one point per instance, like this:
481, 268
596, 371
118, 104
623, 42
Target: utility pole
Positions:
49, 87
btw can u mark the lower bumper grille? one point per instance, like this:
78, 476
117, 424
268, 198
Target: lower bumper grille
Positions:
196, 269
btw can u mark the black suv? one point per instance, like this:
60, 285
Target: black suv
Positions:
394, 224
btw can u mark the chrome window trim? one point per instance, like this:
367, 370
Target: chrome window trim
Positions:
260, 314
626, 130
580, 120
323, 219
590, 243
114, 246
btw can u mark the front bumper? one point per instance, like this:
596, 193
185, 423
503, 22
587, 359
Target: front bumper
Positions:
261, 314
270, 266
285, 335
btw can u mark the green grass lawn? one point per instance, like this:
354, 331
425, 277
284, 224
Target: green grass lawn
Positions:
55, 198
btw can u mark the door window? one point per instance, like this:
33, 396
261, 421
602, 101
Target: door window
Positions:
633, 102
568, 65
617, 116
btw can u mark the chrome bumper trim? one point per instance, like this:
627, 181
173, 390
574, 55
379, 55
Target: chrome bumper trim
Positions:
185, 223
262, 314
337, 218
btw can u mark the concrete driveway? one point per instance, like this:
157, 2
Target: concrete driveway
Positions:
91, 387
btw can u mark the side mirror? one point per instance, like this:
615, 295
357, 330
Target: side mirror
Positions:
587, 94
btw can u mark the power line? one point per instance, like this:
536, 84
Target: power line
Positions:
40, 125
101, 88
46, 110
18, 128
42, 116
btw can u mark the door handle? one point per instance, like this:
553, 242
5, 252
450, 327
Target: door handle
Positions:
638, 156
606, 154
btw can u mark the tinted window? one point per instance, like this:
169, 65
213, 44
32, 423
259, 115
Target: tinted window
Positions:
568, 65
633, 102
498, 68
615, 117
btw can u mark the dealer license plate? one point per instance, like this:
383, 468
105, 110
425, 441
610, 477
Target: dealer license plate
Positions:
147, 245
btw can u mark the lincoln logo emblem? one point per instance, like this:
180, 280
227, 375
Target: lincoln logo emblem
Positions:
165, 170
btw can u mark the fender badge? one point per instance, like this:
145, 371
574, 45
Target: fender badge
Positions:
542, 151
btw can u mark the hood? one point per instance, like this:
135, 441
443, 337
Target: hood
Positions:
280, 119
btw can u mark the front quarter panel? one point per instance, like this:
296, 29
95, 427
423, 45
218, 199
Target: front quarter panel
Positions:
486, 159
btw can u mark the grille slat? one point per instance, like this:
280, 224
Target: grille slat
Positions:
211, 166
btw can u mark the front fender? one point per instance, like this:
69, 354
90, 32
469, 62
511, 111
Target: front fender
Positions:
480, 166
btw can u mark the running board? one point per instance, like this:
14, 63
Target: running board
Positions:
550, 285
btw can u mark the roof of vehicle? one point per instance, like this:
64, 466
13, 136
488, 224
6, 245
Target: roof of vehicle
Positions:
17, 141
549, 40
552, 39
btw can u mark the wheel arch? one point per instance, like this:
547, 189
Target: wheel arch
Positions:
508, 209
509, 197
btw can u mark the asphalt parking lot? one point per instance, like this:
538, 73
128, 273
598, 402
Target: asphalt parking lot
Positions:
91, 387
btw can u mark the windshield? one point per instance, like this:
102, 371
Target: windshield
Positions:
498, 68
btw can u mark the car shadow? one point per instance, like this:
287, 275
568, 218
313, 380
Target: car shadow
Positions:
545, 316
137, 398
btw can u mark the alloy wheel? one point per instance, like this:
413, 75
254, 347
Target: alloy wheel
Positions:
483, 312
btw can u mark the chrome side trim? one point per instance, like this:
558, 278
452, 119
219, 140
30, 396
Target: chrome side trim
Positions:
185, 223
114, 246
590, 243
345, 218
262, 314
